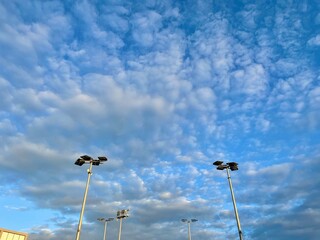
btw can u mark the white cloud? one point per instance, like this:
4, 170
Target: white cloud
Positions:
252, 80
145, 27
314, 41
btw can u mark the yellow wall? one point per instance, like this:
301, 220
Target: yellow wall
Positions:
12, 235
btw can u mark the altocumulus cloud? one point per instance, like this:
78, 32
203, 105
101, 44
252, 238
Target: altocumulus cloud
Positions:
163, 88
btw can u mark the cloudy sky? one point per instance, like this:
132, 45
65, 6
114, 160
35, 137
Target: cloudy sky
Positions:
163, 89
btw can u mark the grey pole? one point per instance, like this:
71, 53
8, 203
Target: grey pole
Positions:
105, 230
84, 202
120, 227
234, 205
189, 230
105, 221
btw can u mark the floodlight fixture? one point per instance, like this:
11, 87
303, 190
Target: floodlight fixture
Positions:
102, 158
233, 166
80, 161
222, 167
121, 214
86, 157
217, 163
105, 220
189, 221
96, 162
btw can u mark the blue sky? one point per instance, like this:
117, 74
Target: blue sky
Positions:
163, 88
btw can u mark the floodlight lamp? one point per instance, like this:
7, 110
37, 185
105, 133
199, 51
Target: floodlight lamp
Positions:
232, 164
101, 219
79, 162
102, 158
234, 168
184, 220
95, 162
221, 167
217, 163
86, 157
122, 214
194, 220
109, 219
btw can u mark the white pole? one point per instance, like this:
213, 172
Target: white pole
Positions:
120, 227
105, 230
84, 202
234, 205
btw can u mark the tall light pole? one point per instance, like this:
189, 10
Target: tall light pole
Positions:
105, 220
121, 214
80, 161
189, 227
233, 166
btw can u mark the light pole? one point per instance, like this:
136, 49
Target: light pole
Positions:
233, 166
105, 220
189, 227
80, 161
121, 214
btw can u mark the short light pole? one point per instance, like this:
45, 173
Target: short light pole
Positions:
105, 220
121, 214
80, 161
189, 227
233, 166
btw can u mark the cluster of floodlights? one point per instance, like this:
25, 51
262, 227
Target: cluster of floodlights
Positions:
121, 214
189, 221
87, 159
80, 161
233, 166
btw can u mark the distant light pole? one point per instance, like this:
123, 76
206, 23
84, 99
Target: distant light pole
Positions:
121, 214
189, 227
233, 166
105, 220
80, 161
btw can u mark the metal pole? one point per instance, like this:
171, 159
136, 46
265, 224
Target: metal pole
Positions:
120, 227
189, 230
105, 230
234, 205
84, 202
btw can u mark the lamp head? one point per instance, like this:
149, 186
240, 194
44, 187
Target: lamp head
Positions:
103, 159
96, 162
222, 167
79, 162
86, 157
122, 213
233, 166
217, 163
